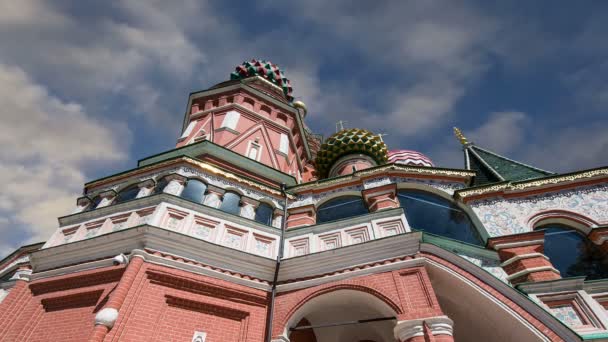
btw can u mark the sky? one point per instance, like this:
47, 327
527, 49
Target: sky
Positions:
87, 88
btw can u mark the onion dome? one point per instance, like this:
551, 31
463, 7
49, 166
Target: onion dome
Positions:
408, 157
348, 142
266, 70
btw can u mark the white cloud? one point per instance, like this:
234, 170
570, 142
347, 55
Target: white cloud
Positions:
46, 145
503, 132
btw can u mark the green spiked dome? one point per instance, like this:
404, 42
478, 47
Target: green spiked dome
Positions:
266, 70
350, 141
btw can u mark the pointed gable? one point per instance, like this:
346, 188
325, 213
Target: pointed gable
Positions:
491, 167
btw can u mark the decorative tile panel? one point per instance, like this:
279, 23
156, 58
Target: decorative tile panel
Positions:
330, 241
234, 238
357, 235
299, 247
568, 315
390, 228
204, 228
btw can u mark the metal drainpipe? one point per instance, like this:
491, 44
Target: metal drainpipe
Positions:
273, 293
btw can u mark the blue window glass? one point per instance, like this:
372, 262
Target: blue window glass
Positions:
436, 215
127, 194
194, 191
341, 208
263, 214
160, 185
94, 203
572, 254
231, 203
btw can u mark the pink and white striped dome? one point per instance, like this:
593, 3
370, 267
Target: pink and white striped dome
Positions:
409, 157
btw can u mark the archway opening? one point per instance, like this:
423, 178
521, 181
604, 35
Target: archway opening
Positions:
333, 317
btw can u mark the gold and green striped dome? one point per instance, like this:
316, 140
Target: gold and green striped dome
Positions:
350, 141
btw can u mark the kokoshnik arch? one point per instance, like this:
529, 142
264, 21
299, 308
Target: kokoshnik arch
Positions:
255, 229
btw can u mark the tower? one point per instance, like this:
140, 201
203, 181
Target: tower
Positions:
254, 229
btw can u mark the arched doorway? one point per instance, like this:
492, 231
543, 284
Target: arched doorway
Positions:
333, 318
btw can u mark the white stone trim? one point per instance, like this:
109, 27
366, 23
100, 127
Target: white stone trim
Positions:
531, 270
518, 244
521, 300
439, 325
521, 257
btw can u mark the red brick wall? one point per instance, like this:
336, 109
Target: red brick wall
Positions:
60, 308
408, 292
170, 305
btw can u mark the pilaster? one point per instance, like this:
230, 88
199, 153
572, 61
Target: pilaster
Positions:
106, 198
522, 257
301, 216
82, 203
382, 197
248, 206
175, 185
145, 188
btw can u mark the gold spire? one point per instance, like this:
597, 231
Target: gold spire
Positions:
463, 140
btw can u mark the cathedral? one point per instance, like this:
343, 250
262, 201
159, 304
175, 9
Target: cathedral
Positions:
255, 229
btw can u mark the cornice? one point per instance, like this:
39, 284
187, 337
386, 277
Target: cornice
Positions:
177, 161
389, 169
502, 188
153, 238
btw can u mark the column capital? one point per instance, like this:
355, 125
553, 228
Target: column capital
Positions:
439, 325
599, 235
216, 190
108, 194
249, 201
147, 183
83, 201
176, 177
533, 238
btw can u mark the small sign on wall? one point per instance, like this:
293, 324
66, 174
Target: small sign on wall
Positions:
199, 336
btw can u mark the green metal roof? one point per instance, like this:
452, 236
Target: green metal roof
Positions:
491, 167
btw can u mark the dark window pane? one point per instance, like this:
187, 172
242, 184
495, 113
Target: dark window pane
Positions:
263, 214
436, 215
230, 203
340, 208
572, 254
127, 194
160, 185
194, 191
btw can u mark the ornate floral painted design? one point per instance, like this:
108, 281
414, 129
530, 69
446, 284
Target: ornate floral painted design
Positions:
511, 216
567, 315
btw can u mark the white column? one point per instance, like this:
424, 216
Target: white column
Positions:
82, 204
106, 198
145, 188
440, 325
214, 196
248, 206
175, 185
277, 219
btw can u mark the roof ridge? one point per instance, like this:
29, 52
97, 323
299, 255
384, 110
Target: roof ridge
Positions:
512, 161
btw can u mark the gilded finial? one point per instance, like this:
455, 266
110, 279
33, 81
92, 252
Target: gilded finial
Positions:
463, 140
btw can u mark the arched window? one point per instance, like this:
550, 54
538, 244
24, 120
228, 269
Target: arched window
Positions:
127, 194
160, 185
263, 214
194, 190
341, 208
436, 215
231, 203
572, 254
94, 203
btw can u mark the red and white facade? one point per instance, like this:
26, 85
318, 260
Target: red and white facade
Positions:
166, 265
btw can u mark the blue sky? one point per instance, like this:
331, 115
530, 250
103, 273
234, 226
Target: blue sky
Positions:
87, 89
